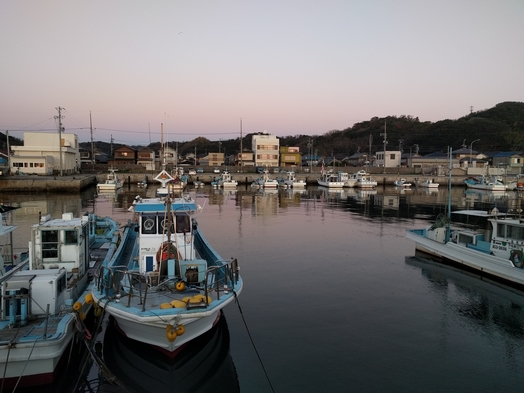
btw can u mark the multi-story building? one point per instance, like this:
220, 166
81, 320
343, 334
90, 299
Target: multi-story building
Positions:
266, 149
290, 156
46, 154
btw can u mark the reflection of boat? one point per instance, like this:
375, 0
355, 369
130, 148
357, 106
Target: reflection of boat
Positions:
497, 250
42, 308
203, 365
401, 183
492, 183
484, 195
330, 180
111, 183
173, 285
496, 305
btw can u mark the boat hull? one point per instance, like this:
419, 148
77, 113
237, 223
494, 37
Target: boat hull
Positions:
484, 263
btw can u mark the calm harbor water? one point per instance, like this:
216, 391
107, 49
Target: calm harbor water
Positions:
334, 299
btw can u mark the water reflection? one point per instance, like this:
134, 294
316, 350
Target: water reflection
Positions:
479, 302
204, 365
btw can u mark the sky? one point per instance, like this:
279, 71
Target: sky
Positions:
288, 67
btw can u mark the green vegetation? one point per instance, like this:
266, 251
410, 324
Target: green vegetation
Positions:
500, 128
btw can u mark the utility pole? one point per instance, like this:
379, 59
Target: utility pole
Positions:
92, 143
385, 135
60, 129
8, 152
241, 151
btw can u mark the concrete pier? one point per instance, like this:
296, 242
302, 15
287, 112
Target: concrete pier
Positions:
76, 183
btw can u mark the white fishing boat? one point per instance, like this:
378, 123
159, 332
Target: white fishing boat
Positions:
349, 180
364, 180
42, 308
401, 183
225, 180
111, 183
330, 179
10, 261
291, 181
174, 285
496, 250
143, 183
427, 183
492, 183
267, 182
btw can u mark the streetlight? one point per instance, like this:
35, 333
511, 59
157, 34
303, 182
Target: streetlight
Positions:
471, 150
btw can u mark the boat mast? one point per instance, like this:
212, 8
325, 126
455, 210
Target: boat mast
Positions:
92, 143
449, 194
241, 152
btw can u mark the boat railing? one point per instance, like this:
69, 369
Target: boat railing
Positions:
118, 282
113, 282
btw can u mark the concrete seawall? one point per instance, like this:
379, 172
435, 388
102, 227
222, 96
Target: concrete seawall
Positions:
73, 184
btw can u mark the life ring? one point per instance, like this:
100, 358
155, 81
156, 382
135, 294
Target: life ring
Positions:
516, 258
167, 251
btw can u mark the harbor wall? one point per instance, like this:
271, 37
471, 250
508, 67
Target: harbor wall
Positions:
72, 184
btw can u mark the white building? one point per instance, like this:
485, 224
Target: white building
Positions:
265, 149
392, 160
46, 154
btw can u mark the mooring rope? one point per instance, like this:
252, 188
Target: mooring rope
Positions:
252, 342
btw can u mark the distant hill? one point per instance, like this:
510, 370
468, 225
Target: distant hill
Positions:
498, 128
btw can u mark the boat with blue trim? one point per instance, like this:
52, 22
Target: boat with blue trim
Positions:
43, 307
173, 285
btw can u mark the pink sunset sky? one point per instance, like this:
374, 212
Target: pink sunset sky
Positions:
288, 66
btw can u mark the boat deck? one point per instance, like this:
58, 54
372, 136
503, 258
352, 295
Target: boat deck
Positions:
33, 330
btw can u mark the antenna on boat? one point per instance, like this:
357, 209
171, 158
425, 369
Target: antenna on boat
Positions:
448, 232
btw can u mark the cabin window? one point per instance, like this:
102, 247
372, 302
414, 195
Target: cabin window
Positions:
465, 239
49, 244
501, 230
71, 237
162, 225
182, 223
60, 284
149, 224
515, 232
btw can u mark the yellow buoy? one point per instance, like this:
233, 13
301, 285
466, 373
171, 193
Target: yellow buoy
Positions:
168, 328
179, 330
171, 335
165, 305
186, 299
82, 315
195, 300
98, 311
89, 298
178, 304
180, 286
77, 306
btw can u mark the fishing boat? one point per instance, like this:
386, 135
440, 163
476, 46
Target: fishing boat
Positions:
427, 183
291, 180
143, 183
349, 180
10, 261
364, 180
43, 308
267, 182
224, 180
111, 183
495, 249
174, 284
492, 183
401, 183
330, 179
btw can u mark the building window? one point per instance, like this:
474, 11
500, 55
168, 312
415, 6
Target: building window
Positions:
71, 237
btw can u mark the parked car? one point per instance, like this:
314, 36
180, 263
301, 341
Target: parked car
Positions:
191, 172
216, 170
200, 170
